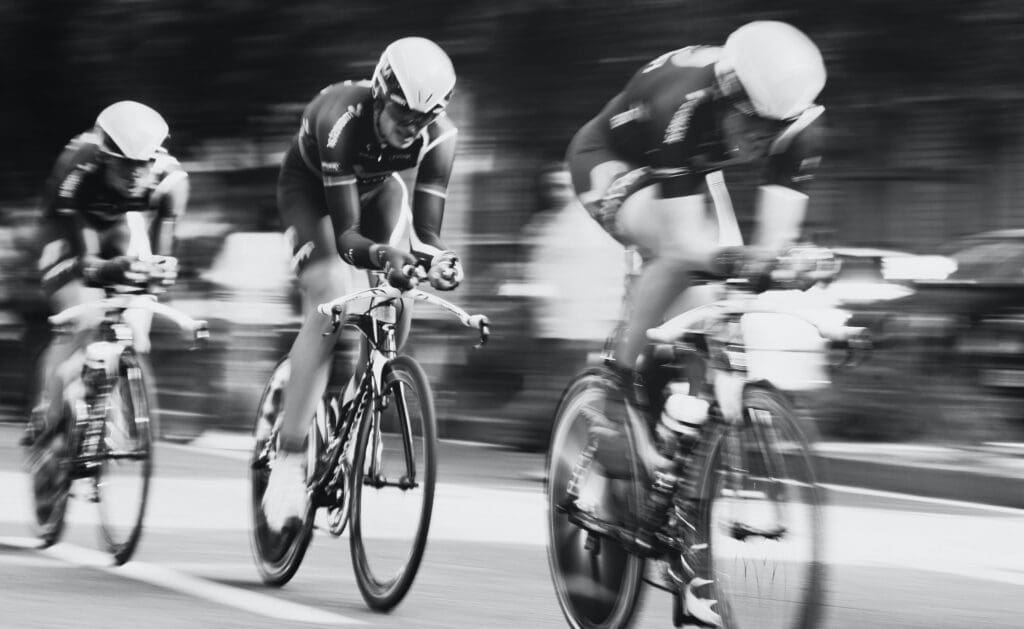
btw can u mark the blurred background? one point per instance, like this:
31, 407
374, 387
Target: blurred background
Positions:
925, 163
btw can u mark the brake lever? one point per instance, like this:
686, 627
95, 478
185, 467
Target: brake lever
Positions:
200, 334
336, 321
485, 333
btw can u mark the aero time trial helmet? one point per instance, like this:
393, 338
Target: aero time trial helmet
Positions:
771, 69
415, 74
131, 130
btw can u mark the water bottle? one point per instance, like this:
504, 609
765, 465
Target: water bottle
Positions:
682, 417
678, 431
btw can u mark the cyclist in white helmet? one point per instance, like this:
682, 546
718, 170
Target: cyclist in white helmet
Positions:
645, 166
341, 197
88, 241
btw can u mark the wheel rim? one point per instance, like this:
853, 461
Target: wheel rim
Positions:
277, 554
593, 591
390, 524
765, 581
122, 485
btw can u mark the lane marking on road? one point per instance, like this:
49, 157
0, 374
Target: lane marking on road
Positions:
159, 576
848, 489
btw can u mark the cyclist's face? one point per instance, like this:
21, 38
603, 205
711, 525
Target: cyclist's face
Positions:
399, 126
128, 176
749, 136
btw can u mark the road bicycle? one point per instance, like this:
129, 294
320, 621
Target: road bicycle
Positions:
105, 436
743, 514
371, 462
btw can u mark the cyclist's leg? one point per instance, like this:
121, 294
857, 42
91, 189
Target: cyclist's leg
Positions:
322, 276
61, 360
594, 168
674, 242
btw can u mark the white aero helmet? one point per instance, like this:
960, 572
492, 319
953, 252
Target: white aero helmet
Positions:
415, 73
779, 69
132, 130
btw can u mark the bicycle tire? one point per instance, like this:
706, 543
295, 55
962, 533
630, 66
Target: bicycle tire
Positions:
778, 465
385, 594
135, 402
566, 546
278, 555
51, 481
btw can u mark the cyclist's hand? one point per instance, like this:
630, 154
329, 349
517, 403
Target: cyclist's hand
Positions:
446, 271
805, 265
744, 262
118, 270
399, 267
164, 269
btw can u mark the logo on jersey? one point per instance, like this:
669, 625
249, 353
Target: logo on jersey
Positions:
332, 137
70, 184
680, 123
639, 112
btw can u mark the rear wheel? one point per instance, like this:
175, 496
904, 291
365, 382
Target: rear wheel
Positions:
761, 518
50, 470
126, 463
597, 582
393, 480
277, 554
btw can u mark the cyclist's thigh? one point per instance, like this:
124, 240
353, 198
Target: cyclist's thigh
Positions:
680, 229
303, 209
386, 217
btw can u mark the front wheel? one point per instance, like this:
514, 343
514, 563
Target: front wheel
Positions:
761, 517
126, 460
597, 582
277, 554
393, 478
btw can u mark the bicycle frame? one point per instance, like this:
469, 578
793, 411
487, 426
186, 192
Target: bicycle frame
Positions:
377, 327
102, 357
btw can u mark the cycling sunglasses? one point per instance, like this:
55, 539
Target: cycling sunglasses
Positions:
405, 117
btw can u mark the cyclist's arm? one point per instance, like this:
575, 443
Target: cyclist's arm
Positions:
782, 200
334, 133
431, 190
169, 199
73, 251
72, 247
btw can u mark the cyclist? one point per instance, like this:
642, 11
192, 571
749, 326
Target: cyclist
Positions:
643, 168
103, 181
343, 200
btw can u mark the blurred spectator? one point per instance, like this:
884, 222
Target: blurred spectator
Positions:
572, 279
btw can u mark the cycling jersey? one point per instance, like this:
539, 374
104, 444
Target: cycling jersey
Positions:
339, 145
668, 119
77, 201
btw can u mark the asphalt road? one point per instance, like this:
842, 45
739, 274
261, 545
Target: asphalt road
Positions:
896, 561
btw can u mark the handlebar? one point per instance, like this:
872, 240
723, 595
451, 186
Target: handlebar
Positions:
197, 328
696, 321
335, 308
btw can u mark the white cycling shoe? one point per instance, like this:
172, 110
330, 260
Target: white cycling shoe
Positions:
286, 499
697, 610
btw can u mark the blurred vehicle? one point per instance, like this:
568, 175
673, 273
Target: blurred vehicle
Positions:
871, 275
971, 323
